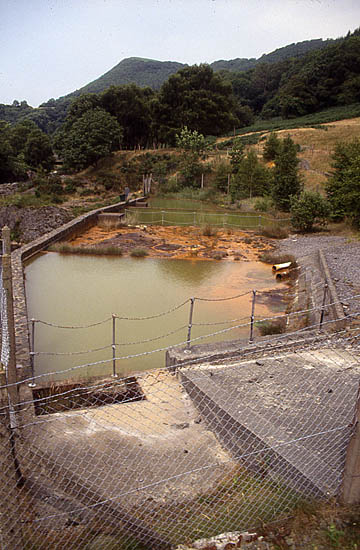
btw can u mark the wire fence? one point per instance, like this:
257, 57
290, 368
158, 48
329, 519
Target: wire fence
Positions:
158, 460
171, 455
182, 217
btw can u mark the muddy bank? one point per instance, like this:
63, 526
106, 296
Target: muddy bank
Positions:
178, 242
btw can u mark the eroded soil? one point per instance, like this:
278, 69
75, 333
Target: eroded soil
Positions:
178, 242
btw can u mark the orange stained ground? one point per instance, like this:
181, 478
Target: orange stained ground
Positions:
178, 242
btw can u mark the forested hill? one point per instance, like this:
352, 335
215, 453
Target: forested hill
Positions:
152, 73
292, 81
133, 70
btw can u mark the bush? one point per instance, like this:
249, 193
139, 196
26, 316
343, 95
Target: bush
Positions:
266, 328
307, 209
139, 253
275, 231
263, 204
209, 231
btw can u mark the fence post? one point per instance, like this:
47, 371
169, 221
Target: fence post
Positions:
350, 487
32, 354
8, 348
192, 301
251, 339
323, 306
10, 525
194, 218
162, 217
114, 375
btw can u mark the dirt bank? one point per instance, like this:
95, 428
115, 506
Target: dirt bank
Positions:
178, 242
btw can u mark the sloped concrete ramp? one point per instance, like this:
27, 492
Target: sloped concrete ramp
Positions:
288, 417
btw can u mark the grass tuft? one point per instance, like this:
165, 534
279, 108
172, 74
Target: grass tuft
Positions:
139, 253
66, 248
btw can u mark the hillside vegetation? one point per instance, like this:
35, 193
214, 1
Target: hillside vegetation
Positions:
258, 82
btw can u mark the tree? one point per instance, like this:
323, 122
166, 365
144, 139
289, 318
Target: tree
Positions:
190, 141
7, 155
251, 179
38, 150
307, 209
195, 97
271, 147
93, 136
131, 106
236, 156
286, 179
343, 186
192, 144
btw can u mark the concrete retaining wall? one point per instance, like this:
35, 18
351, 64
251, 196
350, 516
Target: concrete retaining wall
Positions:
19, 256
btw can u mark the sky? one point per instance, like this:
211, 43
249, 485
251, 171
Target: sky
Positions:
49, 48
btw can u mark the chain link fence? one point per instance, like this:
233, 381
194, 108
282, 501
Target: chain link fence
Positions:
171, 455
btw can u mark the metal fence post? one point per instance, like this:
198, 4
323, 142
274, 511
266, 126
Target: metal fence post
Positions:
162, 217
192, 301
350, 487
8, 331
323, 306
114, 375
194, 218
251, 339
32, 354
10, 526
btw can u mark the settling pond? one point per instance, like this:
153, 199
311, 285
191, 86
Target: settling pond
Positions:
72, 290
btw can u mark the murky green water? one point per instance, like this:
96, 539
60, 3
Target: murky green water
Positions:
81, 290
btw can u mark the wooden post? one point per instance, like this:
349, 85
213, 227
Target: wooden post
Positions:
10, 526
202, 181
350, 488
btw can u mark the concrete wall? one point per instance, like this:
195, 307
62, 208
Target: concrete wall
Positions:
19, 256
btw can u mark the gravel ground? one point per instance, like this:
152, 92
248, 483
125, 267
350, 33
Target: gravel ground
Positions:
343, 257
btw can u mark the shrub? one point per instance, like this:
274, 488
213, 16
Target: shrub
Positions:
266, 328
139, 253
209, 231
275, 231
263, 204
307, 209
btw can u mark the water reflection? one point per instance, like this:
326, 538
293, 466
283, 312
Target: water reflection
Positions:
190, 272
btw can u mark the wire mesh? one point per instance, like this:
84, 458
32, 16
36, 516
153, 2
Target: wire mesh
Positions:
159, 459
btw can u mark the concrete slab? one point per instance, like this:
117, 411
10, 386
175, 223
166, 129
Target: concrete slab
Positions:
286, 416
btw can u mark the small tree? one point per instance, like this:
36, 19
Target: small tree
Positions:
307, 209
189, 140
286, 178
271, 147
192, 145
343, 186
252, 178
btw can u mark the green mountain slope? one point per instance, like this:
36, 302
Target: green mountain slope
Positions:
133, 70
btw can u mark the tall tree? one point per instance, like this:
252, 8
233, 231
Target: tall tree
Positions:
198, 98
94, 135
131, 106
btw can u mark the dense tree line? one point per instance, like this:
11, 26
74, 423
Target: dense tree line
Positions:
23, 148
